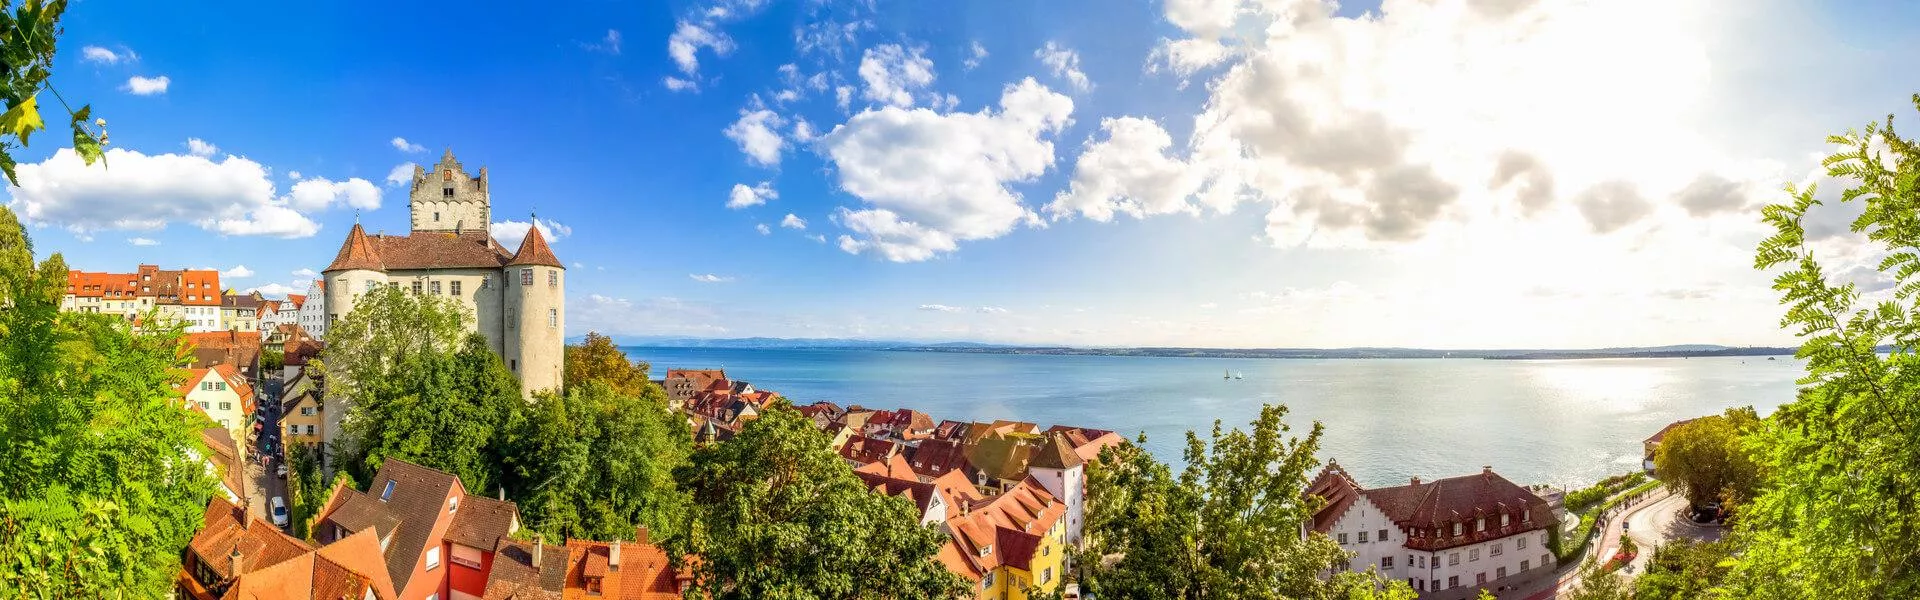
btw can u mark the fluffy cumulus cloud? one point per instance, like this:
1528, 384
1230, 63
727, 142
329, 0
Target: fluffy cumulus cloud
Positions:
305, 273
931, 180
1712, 193
687, 40
793, 221
1417, 117
743, 196
201, 148
401, 144
763, 229
758, 134
510, 232
709, 278
892, 74
147, 86
237, 272
232, 196
401, 174
107, 56
1065, 64
1127, 172
320, 193
140, 241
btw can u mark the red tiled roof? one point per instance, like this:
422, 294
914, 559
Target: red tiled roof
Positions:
1427, 509
261, 545
641, 573
1013, 523
481, 522
117, 286
1662, 434
1338, 490
356, 253
534, 250
225, 347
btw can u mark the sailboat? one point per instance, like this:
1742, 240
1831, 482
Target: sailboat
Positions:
1226, 374
1236, 375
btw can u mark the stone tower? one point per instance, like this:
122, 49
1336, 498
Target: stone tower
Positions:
536, 312
449, 199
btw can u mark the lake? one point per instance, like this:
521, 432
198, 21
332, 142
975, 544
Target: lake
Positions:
1557, 422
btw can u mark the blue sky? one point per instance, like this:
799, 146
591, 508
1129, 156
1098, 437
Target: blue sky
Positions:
1440, 173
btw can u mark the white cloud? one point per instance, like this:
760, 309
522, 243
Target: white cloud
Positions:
294, 175
979, 53
939, 308
277, 290
97, 54
687, 40
201, 148
892, 73
234, 196
1065, 64
1129, 172
679, 85
320, 193
743, 196
709, 278
237, 272
608, 44
758, 134
147, 86
818, 238
803, 131
793, 221
401, 144
932, 180
305, 273
843, 96
401, 174
140, 241
992, 310
763, 229
510, 232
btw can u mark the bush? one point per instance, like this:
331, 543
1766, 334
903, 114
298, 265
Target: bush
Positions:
1590, 519
1585, 497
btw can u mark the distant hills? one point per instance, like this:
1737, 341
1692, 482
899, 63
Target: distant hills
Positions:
771, 343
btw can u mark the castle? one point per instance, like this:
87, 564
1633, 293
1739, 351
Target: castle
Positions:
518, 298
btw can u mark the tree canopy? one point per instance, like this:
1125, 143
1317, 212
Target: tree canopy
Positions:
777, 515
597, 359
452, 411
595, 463
1706, 459
1227, 527
387, 326
104, 478
1839, 513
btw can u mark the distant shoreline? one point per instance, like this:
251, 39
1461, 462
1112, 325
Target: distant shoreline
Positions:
1703, 351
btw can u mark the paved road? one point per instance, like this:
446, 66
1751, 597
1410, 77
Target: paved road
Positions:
263, 480
1568, 577
1664, 520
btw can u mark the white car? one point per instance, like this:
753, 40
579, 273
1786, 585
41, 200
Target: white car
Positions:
283, 470
278, 506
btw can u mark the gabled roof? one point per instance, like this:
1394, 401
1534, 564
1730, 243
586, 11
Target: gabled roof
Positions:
534, 250
641, 572
482, 522
418, 501
226, 527
1338, 490
225, 372
1429, 507
225, 347
345, 569
1662, 434
1055, 453
1013, 524
357, 253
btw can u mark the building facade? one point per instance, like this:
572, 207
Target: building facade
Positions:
1448, 539
518, 298
223, 395
312, 315
192, 297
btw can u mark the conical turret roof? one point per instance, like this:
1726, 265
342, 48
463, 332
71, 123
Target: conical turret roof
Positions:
357, 253
1055, 454
534, 250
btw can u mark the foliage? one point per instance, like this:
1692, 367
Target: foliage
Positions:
1705, 460
1227, 527
447, 411
595, 463
1585, 497
388, 326
307, 489
104, 478
597, 359
1839, 515
1684, 570
271, 361
777, 515
28, 32
1568, 550
1598, 584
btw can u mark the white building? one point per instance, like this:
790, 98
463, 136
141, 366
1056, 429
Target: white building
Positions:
192, 297
274, 313
312, 315
1062, 472
1448, 539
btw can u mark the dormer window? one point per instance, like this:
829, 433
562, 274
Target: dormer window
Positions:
1480, 524
1456, 529
1503, 519
453, 504
986, 550
387, 493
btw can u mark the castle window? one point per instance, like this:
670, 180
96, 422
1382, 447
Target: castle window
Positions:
416, 287
447, 192
513, 364
553, 278
446, 175
553, 318
486, 282
455, 287
436, 217
436, 288
526, 277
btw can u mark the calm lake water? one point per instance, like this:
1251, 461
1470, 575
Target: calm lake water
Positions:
1558, 422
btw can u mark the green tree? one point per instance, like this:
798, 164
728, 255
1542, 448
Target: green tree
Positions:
1706, 460
593, 463
778, 516
1227, 527
448, 411
597, 359
1595, 585
1684, 569
1839, 515
28, 32
103, 481
387, 326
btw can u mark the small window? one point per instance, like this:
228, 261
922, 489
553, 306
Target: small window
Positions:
226, 406
1454, 581
206, 385
526, 277
1480, 578
453, 504
986, 550
446, 192
1473, 554
1343, 539
1453, 559
513, 365
1503, 519
1496, 549
1363, 537
293, 430
306, 411
219, 386
1520, 543
553, 318
203, 406
416, 287
1480, 524
454, 286
1383, 535
387, 492
436, 287
1386, 563
486, 282
553, 278
1456, 529
436, 217
1525, 564
310, 430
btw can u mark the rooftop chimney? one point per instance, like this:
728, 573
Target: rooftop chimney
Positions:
539, 551
613, 555
1486, 470
640, 535
503, 493
1416, 481
237, 560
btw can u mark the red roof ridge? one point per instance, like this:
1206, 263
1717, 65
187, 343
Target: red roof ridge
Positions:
533, 249
357, 253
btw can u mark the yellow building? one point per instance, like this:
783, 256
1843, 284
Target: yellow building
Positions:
1010, 547
223, 395
301, 413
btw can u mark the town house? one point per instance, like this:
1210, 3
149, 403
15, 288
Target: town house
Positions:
1447, 538
223, 395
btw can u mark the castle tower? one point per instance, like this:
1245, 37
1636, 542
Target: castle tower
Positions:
356, 269
1061, 471
447, 199
536, 313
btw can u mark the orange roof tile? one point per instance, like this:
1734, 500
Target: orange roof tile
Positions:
534, 250
356, 253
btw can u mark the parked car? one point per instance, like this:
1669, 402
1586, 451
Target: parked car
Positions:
278, 506
282, 470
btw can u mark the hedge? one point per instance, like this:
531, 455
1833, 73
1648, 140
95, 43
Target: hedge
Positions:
1589, 520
